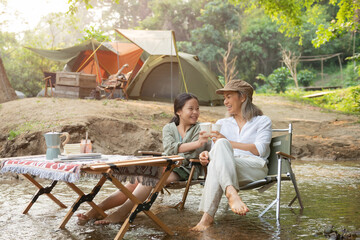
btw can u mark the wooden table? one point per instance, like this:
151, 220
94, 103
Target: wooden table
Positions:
107, 170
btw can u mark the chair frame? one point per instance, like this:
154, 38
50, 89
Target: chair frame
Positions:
283, 165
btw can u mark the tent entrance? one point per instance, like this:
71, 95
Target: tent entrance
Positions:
157, 84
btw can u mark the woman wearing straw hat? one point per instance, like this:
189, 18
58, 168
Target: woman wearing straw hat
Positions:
239, 154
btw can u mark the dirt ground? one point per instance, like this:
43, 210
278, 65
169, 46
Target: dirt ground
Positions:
124, 127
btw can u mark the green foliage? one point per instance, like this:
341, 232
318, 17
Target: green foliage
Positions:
92, 33
356, 61
258, 51
292, 16
352, 75
276, 81
344, 100
13, 134
31, 126
305, 77
221, 80
23, 68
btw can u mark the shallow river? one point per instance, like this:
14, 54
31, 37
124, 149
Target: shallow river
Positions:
329, 190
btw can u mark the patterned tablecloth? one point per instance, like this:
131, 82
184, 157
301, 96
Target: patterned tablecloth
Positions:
70, 171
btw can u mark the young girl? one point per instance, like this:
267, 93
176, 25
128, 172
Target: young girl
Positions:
180, 137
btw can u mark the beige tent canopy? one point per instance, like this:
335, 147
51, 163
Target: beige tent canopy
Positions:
167, 73
153, 42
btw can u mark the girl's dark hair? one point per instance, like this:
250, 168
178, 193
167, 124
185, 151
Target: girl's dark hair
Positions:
179, 103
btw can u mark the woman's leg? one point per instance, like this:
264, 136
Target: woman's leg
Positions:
114, 200
221, 173
141, 192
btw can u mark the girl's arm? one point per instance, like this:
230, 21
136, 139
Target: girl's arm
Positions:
187, 147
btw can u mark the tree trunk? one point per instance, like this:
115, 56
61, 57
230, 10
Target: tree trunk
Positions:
7, 93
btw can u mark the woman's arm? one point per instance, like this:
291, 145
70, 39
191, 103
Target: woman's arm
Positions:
246, 147
242, 146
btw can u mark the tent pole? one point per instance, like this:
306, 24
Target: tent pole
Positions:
178, 58
171, 72
97, 62
90, 56
117, 54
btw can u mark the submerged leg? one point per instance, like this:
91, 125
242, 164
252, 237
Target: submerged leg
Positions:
205, 222
141, 192
114, 200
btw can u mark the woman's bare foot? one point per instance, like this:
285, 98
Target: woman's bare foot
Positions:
205, 222
115, 217
235, 202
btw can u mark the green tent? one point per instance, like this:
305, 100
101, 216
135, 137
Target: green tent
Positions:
162, 78
153, 81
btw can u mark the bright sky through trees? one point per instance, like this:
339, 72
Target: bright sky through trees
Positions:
20, 15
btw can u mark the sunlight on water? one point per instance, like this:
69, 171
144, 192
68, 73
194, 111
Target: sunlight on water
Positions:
330, 194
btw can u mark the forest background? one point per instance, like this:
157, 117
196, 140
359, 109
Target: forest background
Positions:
251, 37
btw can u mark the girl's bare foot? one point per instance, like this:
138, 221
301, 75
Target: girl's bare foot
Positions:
235, 202
205, 222
82, 219
115, 217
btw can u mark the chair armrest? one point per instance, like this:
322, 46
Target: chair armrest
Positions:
154, 153
285, 155
195, 160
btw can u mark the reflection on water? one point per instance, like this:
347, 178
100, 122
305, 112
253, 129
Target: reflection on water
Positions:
330, 193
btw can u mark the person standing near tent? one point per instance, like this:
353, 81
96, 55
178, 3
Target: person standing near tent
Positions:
181, 136
239, 154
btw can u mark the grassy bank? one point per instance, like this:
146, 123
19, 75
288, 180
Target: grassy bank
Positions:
345, 100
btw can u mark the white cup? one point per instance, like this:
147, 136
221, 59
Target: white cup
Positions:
205, 127
216, 127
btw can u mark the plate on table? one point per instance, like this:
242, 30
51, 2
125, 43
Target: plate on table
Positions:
80, 157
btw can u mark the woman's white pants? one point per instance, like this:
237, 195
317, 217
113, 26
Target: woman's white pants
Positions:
224, 170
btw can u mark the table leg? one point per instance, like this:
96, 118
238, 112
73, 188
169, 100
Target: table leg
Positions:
42, 190
84, 198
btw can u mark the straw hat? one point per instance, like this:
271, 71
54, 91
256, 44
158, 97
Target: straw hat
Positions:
237, 85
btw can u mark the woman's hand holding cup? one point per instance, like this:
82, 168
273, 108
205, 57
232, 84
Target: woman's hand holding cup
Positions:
204, 158
215, 133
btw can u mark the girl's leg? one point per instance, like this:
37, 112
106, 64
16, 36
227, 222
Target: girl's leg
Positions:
141, 192
114, 200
